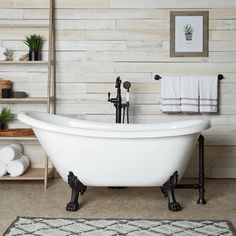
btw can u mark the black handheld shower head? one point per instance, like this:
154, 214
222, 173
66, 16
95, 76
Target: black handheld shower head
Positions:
127, 85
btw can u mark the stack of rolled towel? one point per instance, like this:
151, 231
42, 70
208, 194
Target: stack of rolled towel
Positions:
5, 54
13, 161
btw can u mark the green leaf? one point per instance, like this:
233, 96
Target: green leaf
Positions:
5, 115
34, 42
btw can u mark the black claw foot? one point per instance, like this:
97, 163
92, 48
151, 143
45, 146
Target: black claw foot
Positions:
164, 192
77, 187
83, 189
72, 206
174, 206
168, 189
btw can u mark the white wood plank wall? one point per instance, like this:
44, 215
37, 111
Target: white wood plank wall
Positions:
97, 40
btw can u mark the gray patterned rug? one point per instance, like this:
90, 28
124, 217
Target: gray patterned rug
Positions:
111, 227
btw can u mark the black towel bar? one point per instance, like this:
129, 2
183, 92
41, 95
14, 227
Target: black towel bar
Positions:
158, 77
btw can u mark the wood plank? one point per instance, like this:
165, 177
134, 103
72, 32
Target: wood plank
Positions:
24, 100
25, 138
96, 13
127, 35
216, 68
20, 33
85, 24
82, 4
223, 35
24, 4
190, 4
222, 13
23, 62
30, 174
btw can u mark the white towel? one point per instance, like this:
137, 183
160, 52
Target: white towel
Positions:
3, 168
19, 166
3, 57
10, 152
208, 92
3, 50
170, 94
189, 94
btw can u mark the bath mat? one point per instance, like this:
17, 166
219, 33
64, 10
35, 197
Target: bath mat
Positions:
111, 227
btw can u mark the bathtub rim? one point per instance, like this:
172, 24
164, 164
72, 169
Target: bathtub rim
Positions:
109, 130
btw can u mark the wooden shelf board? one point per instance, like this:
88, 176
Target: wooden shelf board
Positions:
23, 138
22, 25
30, 174
23, 62
24, 100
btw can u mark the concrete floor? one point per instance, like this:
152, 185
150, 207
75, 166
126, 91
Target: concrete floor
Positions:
30, 199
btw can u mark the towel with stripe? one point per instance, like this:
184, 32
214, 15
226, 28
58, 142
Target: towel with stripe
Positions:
189, 94
170, 94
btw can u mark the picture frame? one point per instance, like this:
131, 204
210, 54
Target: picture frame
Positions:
189, 33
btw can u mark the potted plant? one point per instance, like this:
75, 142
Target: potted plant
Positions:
188, 29
5, 117
34, 42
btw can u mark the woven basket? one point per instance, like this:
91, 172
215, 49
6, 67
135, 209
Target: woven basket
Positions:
5, 84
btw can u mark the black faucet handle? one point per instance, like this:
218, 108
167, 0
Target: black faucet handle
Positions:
109, 96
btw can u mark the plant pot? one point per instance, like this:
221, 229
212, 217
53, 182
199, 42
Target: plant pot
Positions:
3, 126
188, 36
34, 55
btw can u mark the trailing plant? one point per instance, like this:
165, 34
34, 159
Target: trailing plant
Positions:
34, 42
188, 29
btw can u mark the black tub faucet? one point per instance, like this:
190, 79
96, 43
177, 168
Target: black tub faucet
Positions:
118, 100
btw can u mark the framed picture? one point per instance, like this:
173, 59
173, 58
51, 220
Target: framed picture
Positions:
189, 33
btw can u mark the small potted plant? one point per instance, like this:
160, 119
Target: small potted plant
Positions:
34, 42
188, 29
5, 117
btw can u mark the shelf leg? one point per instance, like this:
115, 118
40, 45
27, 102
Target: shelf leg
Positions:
46, 172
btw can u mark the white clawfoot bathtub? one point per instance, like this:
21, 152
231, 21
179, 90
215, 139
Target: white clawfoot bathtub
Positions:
102, 154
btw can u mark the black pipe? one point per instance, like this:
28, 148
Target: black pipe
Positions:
201, 172
201, 176
117, 101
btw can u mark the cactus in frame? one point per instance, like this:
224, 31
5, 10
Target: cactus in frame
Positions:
188, 30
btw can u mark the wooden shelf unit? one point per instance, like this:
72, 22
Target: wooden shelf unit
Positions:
49, 100
30, 174
23, 62
25, 138
25, 100
20, 25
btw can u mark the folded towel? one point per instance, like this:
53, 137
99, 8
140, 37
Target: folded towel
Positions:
170, 94
10, 152
3, 168
189, 94
19, 166
208, 92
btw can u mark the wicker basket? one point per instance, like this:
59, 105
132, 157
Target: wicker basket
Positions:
5, 84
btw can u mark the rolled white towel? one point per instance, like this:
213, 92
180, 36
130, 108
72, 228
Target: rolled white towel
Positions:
10, 152
19, 166
3, 168
3, 50
3, 57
